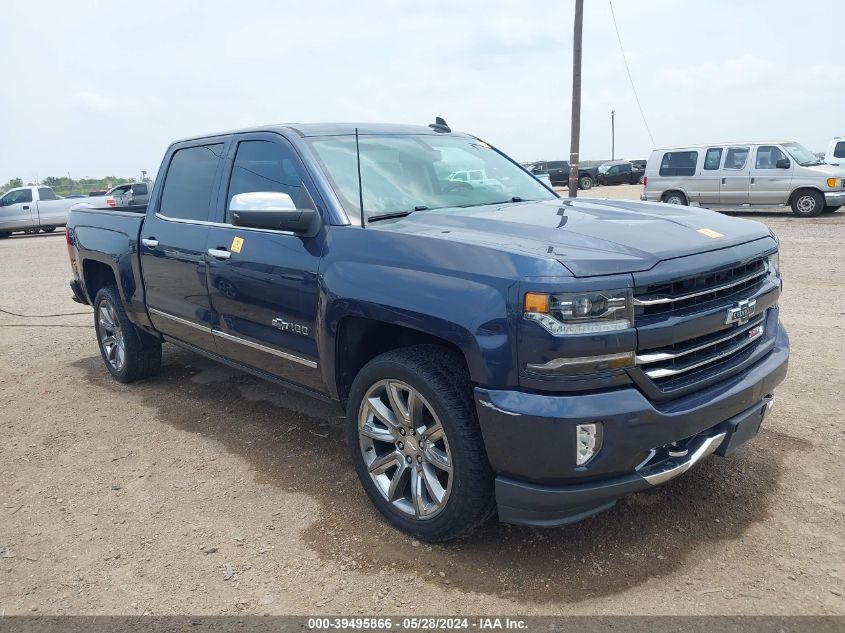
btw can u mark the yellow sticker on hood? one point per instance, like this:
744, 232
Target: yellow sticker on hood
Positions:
710, 233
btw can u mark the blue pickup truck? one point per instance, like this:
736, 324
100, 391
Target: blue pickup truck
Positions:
496, 348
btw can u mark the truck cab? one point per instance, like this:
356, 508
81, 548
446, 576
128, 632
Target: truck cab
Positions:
31, 209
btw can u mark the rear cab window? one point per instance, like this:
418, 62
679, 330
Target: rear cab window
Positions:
839, 150
189, 182
45, 193
679, 163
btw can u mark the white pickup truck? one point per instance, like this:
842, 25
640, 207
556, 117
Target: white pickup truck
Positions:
34, 209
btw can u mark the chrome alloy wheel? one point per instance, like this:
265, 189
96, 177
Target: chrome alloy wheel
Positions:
111, 336
806, 204
405, 449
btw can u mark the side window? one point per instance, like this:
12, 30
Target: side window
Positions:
45, 193
679, 164
267, 166
17, 197
189, 181
768, 157
713, 158
139, 189
736, 157
839, 150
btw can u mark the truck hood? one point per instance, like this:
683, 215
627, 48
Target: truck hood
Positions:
588, 236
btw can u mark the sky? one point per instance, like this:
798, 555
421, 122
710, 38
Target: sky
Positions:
92, 89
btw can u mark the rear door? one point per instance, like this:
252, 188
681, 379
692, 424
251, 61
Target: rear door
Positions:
173, 244
770, 184
263, 283
735, 180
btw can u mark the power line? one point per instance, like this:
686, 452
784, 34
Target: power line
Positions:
630, 78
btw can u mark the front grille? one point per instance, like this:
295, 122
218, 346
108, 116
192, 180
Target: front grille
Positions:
698, 290
684, 363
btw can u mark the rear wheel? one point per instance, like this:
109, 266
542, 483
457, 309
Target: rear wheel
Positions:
48, 229
831, 209
4, 234
128, 353
674, 197
585, 182
807, 203
416, 443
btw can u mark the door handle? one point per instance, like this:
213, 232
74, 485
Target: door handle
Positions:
723, 181
752, 181
26, 208
149, 242
219, 253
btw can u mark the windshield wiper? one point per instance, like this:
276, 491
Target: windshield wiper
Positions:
397, 214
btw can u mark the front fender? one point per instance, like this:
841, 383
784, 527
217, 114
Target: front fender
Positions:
470, 314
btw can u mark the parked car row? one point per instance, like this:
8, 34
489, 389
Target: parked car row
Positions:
746, 175
617, 172
33, 209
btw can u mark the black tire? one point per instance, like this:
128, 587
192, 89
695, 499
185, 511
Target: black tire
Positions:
4, 234
142, 351
807, 203
585, 182
31, 231
830, 209
674, 197
48, 229
441, 378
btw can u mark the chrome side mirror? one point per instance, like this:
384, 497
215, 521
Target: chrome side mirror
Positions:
272, 210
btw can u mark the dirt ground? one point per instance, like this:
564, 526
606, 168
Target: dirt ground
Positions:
208, 491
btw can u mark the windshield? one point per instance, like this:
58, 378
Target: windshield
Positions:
603, 169
801, 154
408, 172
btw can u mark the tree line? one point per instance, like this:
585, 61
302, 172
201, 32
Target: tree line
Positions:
65, 186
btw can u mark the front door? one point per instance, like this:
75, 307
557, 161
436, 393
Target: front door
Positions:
735, 176
770, 184
173, 246
708, 182
16, 211
263, 283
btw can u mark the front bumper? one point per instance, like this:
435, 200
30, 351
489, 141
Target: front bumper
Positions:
834, 198
530, 440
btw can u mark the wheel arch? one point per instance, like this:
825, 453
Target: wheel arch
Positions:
97, 275
802, 188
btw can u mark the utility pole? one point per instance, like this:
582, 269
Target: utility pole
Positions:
613, 135
575, 136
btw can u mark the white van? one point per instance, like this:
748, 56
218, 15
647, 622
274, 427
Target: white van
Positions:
746, 175
836, 152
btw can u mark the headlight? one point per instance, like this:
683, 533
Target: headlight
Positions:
581, 312
773, 263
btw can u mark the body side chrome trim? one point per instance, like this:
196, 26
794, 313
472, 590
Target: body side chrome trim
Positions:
263, 348
166, 315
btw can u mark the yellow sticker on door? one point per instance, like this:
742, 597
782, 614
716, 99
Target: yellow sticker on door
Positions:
708, 232
237, 244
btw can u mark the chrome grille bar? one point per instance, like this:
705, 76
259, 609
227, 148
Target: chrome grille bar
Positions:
655, 357
692, 295
666, 372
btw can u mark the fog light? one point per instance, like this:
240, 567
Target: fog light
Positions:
587, 442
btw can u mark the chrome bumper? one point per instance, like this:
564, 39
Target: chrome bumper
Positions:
834, 198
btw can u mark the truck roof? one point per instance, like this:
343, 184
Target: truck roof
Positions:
330, 129
733, 143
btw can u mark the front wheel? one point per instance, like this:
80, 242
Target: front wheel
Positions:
416, 444
128, 353
807, 203
585, 182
